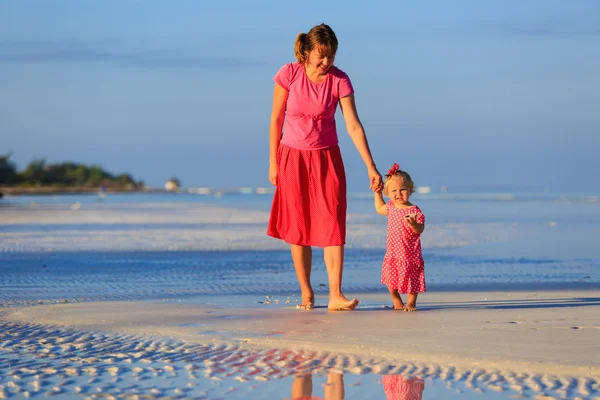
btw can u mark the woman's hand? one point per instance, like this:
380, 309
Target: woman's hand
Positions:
375, 180
273, 172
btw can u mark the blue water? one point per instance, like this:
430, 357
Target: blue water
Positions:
535, 241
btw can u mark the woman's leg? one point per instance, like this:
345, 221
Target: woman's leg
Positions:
302, 258
302, 387
334, 261
334, 388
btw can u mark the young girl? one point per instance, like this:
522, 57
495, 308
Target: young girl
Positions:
403, 267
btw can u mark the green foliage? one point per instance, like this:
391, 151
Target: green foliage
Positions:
35, 172
8, 171
125, 180
38, 173
96, 176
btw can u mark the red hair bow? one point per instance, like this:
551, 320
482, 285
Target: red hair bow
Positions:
394, 169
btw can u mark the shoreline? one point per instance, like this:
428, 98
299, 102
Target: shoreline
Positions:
53, 190
539, 345
550, 333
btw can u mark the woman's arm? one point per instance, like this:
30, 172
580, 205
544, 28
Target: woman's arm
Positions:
359, 138
280, 96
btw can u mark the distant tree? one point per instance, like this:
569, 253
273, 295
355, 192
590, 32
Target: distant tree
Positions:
79, 174
125, 180
35, 172
62, 174
8, 171
96, 176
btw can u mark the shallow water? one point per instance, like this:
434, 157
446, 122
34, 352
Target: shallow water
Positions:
138, 247
65, 363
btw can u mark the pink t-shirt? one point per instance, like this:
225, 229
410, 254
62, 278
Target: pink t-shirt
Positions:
310, 110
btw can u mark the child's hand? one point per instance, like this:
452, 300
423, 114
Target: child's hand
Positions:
411, 219
376, 180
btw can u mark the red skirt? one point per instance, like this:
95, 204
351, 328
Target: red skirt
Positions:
309, 205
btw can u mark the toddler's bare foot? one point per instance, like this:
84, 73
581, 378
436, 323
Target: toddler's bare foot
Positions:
396, 299
398, 304
342, 304
411, 304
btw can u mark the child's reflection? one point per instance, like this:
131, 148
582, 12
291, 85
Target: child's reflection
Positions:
397, 387
303, 386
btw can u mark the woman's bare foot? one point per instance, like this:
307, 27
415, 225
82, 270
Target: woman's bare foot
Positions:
308, 302
410, 308
342, 304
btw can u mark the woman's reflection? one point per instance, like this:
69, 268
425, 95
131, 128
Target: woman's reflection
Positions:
302, 387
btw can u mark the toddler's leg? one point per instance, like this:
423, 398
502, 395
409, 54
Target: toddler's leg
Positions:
396, 299
411, 304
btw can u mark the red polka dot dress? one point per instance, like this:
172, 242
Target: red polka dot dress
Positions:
403, 268
397, 387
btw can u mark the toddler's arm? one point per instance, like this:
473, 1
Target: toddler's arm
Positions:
411, 220
379, 203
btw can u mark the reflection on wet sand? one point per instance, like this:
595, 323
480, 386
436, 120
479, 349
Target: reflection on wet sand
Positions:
396, 387
302, 387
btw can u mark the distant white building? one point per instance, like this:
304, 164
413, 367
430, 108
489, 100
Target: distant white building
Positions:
172, 185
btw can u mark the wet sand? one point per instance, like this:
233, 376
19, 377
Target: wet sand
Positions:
504, 342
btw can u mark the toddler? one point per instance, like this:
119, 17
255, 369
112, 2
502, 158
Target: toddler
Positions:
403, 269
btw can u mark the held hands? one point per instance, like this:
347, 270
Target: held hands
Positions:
375, 180
273, 172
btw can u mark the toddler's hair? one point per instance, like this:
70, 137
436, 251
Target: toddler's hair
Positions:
321, 36
396, 173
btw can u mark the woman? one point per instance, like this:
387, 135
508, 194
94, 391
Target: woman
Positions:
309, 205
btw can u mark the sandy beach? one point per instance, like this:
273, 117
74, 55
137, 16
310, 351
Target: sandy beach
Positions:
171, 300
518, 343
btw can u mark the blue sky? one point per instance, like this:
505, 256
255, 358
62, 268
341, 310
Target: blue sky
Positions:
462, 93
